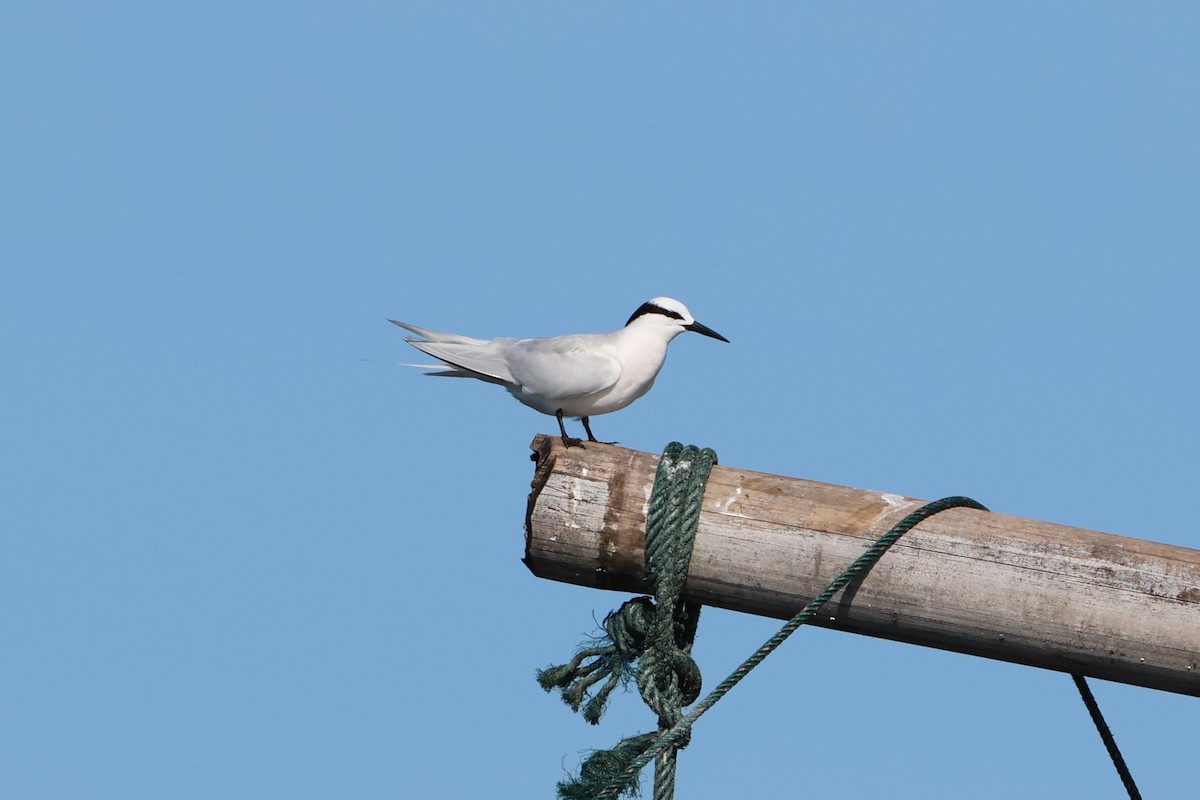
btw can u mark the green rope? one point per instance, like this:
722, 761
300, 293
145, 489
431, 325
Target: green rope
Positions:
668, 677
611, 659
602, 765
657, 636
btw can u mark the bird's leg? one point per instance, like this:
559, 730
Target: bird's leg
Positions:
592, 438
567, 440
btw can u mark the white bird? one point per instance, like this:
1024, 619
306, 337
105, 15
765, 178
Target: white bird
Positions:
578, 375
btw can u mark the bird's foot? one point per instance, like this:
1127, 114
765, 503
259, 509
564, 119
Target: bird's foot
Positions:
570, 441
591, 437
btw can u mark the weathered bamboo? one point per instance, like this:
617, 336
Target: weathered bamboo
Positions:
974, 582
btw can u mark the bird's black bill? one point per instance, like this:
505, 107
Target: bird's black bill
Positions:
707, 331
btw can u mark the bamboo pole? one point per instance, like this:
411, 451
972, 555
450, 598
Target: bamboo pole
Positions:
974, 582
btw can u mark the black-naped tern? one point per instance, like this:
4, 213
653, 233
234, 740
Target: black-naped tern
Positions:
579, 375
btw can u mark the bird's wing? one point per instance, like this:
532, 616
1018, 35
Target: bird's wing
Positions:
562, 366
470, 358
437, 336
479, 359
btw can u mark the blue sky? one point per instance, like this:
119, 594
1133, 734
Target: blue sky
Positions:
245, 555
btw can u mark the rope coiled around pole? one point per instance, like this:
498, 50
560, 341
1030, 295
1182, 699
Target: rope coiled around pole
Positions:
657, 634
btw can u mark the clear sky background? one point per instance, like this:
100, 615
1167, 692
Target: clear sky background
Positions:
245, 555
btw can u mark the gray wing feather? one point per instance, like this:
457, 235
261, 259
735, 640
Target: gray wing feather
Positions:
437, 336
480, 360
564, 366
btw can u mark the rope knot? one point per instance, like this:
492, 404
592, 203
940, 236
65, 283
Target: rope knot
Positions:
611, 659
667, 682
